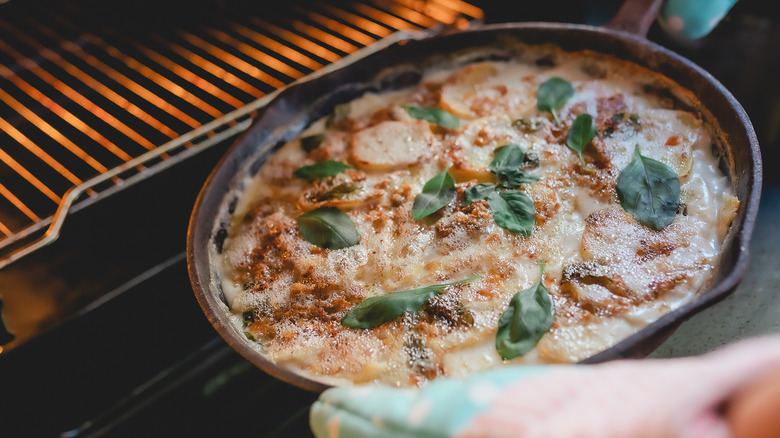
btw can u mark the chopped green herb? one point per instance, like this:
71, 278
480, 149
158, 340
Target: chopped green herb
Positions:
312, 142
526, 125
339, 113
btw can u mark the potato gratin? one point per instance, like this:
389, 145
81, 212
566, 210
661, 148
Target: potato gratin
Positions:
537, 210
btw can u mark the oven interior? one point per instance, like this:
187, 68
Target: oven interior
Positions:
111, 118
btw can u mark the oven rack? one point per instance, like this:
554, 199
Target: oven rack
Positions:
312, 42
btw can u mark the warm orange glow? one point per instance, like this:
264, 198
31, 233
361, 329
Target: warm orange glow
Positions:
96, 85
32, 147
255, 53
433, 10
232, 60
324, 37
113, 74
77, 97
5, 230
18, 168
297, 40
190, 76
463, 7
50, 131
383, 17
154, 77
210, 67
62, 113
405, 12
339, 28
18, 204
1, 349
281, 49
359, 22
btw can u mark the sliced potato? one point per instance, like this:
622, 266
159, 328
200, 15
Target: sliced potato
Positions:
481, 89
392, 145
665, 135
460, 88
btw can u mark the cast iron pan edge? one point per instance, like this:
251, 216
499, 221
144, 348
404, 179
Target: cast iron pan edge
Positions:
298, 105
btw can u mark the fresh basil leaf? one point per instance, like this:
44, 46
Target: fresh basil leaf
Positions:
436, 193
312, 142
477, 192
527, 318
507, 158
552, 94
514, 179
321, 170
513, 211
328, 227
433, 115
505, 166
581, 133
377, 310
649, 190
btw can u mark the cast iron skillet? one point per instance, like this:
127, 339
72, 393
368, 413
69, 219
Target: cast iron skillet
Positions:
399, 66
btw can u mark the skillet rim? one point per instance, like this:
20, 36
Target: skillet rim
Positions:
204, 215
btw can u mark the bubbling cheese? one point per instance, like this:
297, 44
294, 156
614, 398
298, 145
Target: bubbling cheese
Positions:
608, 275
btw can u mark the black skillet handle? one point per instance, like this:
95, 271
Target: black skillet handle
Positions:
635, 16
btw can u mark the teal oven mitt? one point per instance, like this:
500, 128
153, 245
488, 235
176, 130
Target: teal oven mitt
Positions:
671, 398
693, 19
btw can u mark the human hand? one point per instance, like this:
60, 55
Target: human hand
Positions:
630, 398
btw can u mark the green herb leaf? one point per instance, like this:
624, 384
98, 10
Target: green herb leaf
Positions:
321, 170
515, 179
513, 211
552, 94
506, 165
649, 190
436, 193
507, 158
527, 318
633, 123
375, 311
328, 227
312, 142
339, 113
433, 115
526, 125
477, 192
581, 133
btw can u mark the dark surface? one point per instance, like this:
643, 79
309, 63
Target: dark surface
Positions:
153, 333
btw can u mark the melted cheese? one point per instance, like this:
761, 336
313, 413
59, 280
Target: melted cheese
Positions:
298, 293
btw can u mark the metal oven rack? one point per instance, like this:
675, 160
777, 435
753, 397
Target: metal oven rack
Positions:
89, 107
